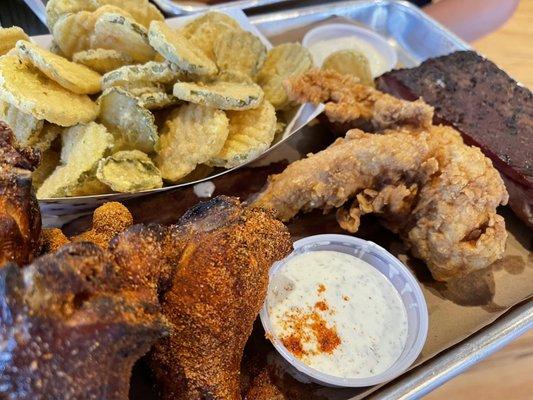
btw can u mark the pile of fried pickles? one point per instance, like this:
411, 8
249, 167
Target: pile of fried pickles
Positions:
122, 102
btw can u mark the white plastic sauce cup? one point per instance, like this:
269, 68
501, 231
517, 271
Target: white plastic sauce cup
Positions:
336, 31
400, 277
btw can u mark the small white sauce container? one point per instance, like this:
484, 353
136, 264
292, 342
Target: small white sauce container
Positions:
400, 277
336, 31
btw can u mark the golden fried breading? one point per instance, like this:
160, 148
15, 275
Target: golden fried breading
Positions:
331, 177
439, 194
348, 101
109, 220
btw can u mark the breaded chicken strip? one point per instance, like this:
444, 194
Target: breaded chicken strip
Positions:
437, 193
349, 102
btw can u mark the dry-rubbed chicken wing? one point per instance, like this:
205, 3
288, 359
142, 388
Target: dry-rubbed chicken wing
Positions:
20, 221
71, 327
214, 297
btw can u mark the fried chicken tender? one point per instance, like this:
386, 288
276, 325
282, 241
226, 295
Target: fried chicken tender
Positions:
349, 102
439, 194
331, 177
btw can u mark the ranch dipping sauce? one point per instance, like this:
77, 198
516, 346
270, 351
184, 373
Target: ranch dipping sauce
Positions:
337, 314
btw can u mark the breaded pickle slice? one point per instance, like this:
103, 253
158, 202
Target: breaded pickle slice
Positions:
102, 60
74, 32
282, 62
177, 49
222, 95
141, 10
191, 135
206, 30
240, 51
83, 146
250, 133
141, 75
9, 37
118, 32
129, 171
75, 77
132, 125
23, 86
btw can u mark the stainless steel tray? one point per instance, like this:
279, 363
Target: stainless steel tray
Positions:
416, 37
181, 7
403, 25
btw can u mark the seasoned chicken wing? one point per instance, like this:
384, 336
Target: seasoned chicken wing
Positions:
72, 327
214, 298
20, 220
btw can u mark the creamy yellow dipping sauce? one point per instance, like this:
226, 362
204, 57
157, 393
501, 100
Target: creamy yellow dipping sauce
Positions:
321, 49
337, 314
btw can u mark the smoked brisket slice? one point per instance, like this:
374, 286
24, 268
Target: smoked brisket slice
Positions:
489, 108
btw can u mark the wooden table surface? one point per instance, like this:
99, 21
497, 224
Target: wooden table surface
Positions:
508, 374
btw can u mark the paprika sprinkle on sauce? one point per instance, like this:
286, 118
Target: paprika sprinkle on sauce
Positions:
337, 314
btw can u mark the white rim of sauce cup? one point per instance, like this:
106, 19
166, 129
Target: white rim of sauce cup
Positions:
400, 277
334, 31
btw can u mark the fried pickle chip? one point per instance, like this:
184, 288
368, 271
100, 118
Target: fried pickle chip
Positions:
132, 125
350, 62
83, 146
89, 185
143, 75
192, 135
157, 100
24, 126
102, 60
57, 8
141, 10
282, 62
9, 37
28, 130
250, 133
73, 32
178, 50
206, 30
129, 171
222, 95
54, 48
74, 77
23, 86
232, 76
240, 51
117, 32
137, 89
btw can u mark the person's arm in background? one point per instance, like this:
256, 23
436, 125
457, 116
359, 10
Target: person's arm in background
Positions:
471, 19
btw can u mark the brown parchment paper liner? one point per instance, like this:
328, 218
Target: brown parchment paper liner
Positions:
457, 309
